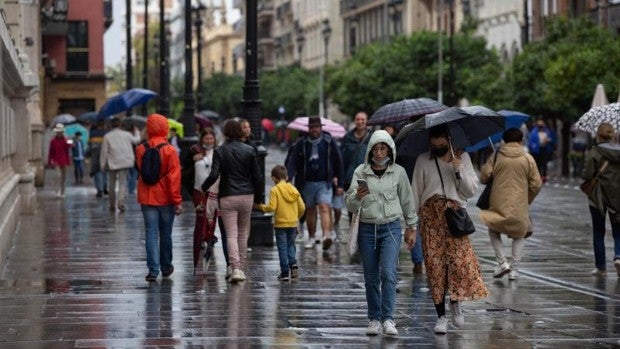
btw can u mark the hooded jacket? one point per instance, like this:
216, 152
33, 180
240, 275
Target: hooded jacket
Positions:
390, 196
606, 194
287, 203
353, 151
167, 191
297, 158
516, 182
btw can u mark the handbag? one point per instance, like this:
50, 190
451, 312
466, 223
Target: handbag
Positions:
588, 186
483, 202
458, 220
353, 232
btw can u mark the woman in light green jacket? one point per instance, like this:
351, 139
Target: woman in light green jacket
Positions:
381, 192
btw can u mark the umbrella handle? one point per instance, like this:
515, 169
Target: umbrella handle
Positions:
457, 173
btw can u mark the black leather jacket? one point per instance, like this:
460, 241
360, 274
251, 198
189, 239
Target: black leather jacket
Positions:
237, 166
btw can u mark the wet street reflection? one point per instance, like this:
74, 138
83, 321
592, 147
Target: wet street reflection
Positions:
75, 278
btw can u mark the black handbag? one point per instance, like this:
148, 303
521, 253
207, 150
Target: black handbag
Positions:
483, 202
458, 220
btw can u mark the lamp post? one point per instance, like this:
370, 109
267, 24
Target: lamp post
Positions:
261, 228
145, 66
452, 92
164, 77
129, 63
187, 119
326, 32
198, 23
300, 40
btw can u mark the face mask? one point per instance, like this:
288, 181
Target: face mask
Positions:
440, 151
207, 146
381, 163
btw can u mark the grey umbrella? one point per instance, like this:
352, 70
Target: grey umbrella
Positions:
404, 110
63, 119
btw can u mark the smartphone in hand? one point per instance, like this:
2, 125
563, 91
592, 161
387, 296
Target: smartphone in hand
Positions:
362, 183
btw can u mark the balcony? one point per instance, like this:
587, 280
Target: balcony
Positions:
264, 37
54, 18
285, 10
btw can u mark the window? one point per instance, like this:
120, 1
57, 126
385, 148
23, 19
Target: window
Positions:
77, 46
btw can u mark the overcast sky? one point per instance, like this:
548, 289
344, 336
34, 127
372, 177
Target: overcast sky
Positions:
114, 37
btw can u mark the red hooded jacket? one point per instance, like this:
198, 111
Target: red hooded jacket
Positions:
168, 190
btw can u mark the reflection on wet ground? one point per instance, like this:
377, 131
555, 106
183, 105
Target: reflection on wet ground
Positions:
75, 278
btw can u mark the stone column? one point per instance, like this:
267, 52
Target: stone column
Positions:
19, 160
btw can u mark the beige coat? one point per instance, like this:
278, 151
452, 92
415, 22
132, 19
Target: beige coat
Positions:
516, 182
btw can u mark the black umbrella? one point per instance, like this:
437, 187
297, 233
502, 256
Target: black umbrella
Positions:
466, 129
404, 110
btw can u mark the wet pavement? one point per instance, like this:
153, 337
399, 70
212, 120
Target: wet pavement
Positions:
75, 278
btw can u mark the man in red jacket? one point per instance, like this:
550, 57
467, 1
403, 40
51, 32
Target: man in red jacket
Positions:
160, 201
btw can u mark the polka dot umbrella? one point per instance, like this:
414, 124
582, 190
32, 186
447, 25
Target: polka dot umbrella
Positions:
609, 113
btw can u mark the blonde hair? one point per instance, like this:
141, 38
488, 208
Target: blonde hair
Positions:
605, 132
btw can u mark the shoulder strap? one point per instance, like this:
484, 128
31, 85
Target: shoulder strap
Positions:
602, 168
161, 145
441, 178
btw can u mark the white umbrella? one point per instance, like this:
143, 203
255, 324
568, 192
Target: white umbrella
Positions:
609, 113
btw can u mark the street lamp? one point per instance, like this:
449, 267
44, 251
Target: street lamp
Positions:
198, 23
326, 32
300, 40
129, 67
187, 119
261, 228
164, 77
145, 66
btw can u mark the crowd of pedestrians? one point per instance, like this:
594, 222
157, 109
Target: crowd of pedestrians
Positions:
362, 172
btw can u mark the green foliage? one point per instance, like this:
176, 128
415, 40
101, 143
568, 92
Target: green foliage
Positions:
408, 67
223, 93
557, 76
294, 88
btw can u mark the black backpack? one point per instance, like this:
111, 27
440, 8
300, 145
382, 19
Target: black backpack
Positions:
151, 163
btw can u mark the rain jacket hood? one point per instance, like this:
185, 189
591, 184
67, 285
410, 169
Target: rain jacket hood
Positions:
157, 126
390, 197
287, 203
379, 136
512, 150
606, 195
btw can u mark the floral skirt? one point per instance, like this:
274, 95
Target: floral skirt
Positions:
451, 264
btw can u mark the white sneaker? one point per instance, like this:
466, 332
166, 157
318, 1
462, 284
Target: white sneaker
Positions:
237, 275
599, 272
512, 275
309, 244
442, 325
617, 265
229, 271
374, 328
501, 270
389, 328
457, 314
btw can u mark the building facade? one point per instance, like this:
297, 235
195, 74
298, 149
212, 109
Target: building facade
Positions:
74, 80
21, 125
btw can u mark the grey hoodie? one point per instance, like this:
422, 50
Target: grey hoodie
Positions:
390, 197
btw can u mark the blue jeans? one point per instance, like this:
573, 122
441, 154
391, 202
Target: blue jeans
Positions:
416, 252
101, 180
158, 222
379, 246
598, 237
132, 180
285, 240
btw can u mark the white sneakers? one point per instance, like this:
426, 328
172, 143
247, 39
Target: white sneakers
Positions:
237, 275
457, 314
442, 325
512, 275
501, 270
229, 271
389, 328
309, 244
599, 272
374, 328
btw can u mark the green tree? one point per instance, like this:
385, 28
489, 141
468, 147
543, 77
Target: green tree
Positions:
408, 67
292, 87
223, 94
555, 78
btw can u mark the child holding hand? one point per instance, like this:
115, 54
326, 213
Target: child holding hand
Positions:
288, 207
